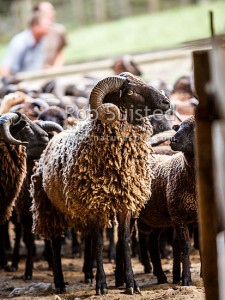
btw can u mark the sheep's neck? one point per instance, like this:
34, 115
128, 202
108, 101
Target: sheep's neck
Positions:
123, 131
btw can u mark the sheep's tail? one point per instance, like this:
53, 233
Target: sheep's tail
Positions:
48, 222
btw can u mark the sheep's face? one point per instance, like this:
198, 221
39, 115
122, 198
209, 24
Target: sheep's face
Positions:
138, 100
27, 131
183, 140
160, 123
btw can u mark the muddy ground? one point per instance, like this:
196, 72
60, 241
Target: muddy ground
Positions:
77, 289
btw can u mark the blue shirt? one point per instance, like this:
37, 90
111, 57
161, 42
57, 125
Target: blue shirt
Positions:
24, 54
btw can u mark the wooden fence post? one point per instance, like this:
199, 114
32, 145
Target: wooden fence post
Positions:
100, 10
205, 179
154, 5
77, 7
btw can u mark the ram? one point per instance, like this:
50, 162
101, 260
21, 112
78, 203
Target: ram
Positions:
98, 172
20, 138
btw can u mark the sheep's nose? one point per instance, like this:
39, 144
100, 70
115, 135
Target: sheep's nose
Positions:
166, 101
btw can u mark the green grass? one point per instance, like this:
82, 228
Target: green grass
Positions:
142, 33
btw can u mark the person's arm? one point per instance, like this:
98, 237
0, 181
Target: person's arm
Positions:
62, 42
59, 60
5, 72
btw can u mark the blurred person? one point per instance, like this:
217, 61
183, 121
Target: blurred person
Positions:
56, 39
182, 89
183, 96
26, 49
125, 64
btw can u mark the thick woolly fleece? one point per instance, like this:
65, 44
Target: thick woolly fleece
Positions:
174, 198
13, 172
92, 171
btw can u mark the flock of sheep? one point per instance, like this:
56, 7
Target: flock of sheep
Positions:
64, 169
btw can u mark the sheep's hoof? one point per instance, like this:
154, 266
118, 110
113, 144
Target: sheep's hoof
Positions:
101, 291
161, 277
10, 268
27, 277
147, 269
162, 280
187, 282
176, 281
137, 289
89, 280
60, 290
130, 291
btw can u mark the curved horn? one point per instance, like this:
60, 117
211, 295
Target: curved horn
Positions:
102, 88
37, 111
50, 126
5, 121
39, 102
108, 112
132, 77
16, 107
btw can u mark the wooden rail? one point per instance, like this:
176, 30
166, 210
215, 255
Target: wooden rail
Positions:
101, 68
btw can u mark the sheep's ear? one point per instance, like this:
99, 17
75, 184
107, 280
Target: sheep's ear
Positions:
176, 127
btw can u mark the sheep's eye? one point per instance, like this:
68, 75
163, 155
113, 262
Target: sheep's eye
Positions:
130, 92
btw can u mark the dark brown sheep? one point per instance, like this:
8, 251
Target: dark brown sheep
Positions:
99, 171
173, 200
20, 139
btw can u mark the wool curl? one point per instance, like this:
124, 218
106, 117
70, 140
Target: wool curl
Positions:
13, 172
95, 171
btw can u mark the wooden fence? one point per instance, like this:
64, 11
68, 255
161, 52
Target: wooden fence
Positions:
210, 145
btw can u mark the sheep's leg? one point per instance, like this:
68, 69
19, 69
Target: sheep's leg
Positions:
7, 236
176, 260
112, 248
3, 256
153, 245
144, 253
26, 222
124, 233
88, 260
57, 265
48, 253
30, 250
75, 244
101, 286
16, 248
185, 245
166, 237
119, 273
134, 243
196, 238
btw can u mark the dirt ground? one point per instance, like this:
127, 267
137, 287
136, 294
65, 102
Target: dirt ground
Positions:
77, 289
